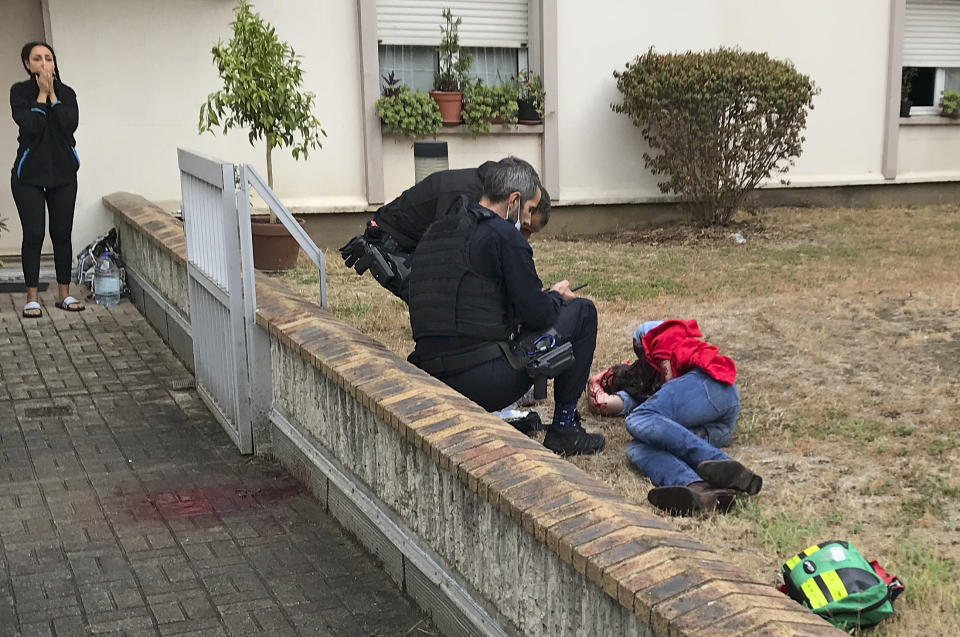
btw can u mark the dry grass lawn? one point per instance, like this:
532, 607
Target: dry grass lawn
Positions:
845, 327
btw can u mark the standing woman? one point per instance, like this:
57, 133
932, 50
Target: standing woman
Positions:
45, 171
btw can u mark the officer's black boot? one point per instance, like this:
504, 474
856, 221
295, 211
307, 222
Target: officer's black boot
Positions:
573, 440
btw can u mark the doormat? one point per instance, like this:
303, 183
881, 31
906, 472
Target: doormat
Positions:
12, 287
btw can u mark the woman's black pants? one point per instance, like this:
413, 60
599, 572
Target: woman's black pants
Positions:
60, 202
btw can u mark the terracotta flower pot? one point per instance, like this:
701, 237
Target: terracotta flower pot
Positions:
450, 103
273, 247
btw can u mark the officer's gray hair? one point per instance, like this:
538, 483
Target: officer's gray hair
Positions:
511, 174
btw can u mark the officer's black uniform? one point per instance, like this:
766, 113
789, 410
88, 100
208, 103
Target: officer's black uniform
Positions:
397, 227
473, 282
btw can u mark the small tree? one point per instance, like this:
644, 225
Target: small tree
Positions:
262, 89
717, 122
454, 63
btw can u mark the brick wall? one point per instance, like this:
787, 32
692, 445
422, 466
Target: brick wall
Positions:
547, 549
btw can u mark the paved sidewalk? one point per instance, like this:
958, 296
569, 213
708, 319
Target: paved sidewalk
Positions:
125, 510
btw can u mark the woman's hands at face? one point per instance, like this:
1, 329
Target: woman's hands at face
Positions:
45, 81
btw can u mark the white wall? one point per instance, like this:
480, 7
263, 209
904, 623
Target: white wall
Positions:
21, 23
841, 45
141, 70
463, 152
929, 151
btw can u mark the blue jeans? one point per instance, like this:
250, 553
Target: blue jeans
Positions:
681, 426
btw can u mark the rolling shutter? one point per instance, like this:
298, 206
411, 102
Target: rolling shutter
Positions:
931, 33
485, 23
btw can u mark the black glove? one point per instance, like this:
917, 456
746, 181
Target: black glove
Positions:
355, 249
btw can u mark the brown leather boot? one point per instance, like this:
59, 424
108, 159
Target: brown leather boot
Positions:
730, 474
696, 497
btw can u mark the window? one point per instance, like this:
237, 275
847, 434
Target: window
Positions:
415, 66
494, 33
931, 47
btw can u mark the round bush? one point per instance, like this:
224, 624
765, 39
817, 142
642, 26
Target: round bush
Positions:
717, 122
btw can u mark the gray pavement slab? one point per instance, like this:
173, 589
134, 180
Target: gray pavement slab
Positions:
126, 510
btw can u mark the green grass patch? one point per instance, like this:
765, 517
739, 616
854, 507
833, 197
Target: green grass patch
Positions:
793, 256
355, 309
782, 533
929, 494
925, 574
857, 430
635, 290
300, 276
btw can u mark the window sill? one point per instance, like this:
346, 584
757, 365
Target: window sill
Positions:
929, 120
495, 129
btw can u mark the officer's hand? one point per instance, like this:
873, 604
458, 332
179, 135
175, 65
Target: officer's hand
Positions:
563, 287
353, 251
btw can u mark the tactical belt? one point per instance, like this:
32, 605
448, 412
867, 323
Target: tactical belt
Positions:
455, 362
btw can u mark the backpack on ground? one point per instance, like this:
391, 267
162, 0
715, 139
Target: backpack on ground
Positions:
87, 259
835, 581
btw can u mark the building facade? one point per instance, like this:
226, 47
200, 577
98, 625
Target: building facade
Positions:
141, 70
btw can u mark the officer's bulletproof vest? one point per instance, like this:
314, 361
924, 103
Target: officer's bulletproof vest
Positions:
447, 297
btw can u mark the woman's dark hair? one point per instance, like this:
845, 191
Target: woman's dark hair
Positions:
638, 379
25, 55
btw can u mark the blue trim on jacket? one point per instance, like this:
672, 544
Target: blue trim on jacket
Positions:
22, 159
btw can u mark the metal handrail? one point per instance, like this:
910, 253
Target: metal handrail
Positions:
250, 177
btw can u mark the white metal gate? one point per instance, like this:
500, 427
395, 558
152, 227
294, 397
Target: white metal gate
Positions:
221, 289
221, 285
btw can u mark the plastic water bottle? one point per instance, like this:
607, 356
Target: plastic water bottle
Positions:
106, 280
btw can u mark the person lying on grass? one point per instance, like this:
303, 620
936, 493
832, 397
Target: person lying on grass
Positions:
680, 402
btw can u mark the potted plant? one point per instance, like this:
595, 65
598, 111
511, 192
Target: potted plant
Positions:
950, 104
530, 95
486, 105
406, 112
449, 81
263, 93
906, 85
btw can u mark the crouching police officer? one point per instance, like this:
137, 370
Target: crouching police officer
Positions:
474, 284
387, 244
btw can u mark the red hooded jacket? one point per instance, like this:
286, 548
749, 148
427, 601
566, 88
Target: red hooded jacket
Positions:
680, 342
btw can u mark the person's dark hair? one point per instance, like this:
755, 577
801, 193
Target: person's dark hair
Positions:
638, 379
510, 174
25, 55
543, 208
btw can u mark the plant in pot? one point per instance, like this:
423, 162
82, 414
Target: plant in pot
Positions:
486, 105
263, 93
530, 96
950, 104
906, 85
405, 112
449, 81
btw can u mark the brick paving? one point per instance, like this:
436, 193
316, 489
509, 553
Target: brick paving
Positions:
125, 509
